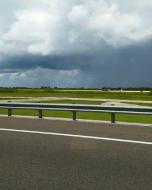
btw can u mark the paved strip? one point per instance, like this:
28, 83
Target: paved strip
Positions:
22, 98
77, 136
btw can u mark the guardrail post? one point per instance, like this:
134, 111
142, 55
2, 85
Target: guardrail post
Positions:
74, 115
40, 114
9, 112
113, 118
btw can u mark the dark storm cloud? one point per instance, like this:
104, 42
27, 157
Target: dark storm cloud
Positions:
129, 66
27, 62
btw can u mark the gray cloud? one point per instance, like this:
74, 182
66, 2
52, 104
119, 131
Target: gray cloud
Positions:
27, 62
128, 66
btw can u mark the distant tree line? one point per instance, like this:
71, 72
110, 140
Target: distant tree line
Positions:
53, 89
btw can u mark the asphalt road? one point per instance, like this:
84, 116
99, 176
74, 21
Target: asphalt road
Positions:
52, 160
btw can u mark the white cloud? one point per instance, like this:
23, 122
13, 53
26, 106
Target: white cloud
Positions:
1, 76
78, 14
59, 27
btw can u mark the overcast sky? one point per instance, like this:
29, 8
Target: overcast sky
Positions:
76, 43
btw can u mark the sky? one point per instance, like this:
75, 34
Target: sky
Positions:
76, 43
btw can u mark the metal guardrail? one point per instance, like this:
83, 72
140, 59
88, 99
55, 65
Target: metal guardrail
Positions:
74, 108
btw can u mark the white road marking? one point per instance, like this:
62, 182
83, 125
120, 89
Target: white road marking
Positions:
77, 136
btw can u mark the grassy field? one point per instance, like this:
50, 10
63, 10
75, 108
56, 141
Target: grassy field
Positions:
76, 94
72, 102
80, 94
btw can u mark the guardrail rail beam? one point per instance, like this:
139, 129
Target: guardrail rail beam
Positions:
74, 108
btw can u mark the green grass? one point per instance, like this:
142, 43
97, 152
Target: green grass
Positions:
77, 94
20, 112
72, 102
132, 118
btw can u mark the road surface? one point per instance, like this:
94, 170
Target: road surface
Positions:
52, 155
